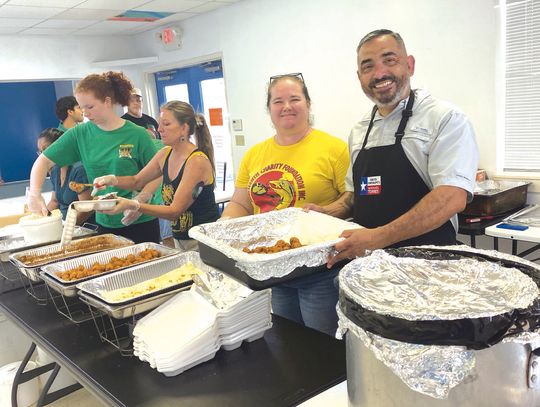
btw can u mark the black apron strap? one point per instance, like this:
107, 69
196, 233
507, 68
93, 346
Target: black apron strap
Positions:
405, 114
373, 111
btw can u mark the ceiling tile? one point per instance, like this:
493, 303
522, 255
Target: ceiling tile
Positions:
47, 31
86, 17
108, 27
208, 6
44, 3
19, 22
169, 5
168, 21
86, 14
112, 4
7, 11
10, 30
172, 18
73, 24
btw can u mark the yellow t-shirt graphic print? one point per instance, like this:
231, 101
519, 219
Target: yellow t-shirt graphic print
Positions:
310, 171
275, 189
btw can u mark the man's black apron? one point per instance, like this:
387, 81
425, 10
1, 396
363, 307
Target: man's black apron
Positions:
386, 185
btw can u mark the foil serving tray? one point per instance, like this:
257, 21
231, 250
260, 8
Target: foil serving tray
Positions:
91, 291
15, 242
32, 270
68, 287
221, 245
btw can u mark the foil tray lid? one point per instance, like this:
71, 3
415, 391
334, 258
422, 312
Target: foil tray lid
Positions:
423, 289
317, 232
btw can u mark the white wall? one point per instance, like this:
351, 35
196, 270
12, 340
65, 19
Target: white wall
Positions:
453, 42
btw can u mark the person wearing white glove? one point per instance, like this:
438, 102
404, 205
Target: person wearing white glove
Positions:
105, 144
100, 183
188, 173
36, 203
131, 215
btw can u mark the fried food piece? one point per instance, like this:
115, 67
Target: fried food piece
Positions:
78, 187
82, 246
279, 246
113, 264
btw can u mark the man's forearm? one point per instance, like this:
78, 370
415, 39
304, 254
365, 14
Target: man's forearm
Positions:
341, 207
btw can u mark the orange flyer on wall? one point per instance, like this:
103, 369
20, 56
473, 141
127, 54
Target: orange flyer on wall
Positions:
216, 116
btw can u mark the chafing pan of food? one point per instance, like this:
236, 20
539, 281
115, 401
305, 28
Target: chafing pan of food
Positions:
224, 245
96, 291
497, 197
14, 243
108, 261
30, 261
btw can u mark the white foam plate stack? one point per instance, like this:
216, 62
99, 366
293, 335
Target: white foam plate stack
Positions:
189, 329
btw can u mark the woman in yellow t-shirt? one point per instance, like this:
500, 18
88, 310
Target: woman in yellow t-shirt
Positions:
298, 166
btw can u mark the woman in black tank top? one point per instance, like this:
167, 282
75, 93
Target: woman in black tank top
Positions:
188, 171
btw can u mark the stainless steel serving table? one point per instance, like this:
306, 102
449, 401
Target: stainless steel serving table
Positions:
288, 366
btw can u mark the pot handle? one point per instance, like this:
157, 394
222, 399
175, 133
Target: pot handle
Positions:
533, 374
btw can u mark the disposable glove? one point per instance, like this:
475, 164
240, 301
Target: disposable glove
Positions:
36, 203
103, 182
132, 214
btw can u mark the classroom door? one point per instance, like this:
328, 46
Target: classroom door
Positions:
203, 87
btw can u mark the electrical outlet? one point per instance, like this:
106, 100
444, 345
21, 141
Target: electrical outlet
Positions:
240, 141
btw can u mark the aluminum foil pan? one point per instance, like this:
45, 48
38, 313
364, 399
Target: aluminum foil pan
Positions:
52, 270
428, 369
129, 310
317, 231
57, 254
68, 287
138, 274
419, 289
15, 242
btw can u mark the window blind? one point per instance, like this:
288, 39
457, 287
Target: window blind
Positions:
522, 80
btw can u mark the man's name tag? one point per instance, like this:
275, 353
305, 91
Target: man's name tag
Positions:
370, 185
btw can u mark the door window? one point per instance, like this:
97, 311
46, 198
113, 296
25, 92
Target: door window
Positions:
203, 87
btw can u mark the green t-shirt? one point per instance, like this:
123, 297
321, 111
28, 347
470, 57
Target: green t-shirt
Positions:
61, 127
124, 151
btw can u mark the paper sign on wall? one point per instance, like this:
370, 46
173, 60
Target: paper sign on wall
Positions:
216, 116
